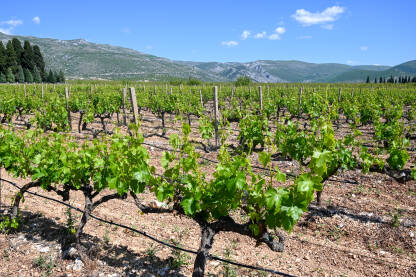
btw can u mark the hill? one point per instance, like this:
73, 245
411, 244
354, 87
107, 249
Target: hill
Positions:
80, 59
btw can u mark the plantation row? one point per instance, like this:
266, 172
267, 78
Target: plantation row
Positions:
287, 122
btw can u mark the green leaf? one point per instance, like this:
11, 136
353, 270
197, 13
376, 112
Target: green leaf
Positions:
188, 208
265, 158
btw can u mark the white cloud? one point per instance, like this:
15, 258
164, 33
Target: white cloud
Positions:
230, 43
260, 35
304, 37
36, 20
149, 47
280, 30
11, 24
245, 34
274, 37
307, 18
364, 48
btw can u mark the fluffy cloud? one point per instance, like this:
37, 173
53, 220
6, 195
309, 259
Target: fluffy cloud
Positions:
280, 30
363, 48
36, 20
245, 34
307, 18
260, 35
274, 37
230, 43
9, 25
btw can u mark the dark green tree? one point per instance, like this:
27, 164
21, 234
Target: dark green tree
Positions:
28, 76
17, 46
368, 79
380, 80
20, 74
11, 60
36, 75
3, 67
375, 80
51, 77
10, 76
61, 77
39, 62
27, 56
2, 78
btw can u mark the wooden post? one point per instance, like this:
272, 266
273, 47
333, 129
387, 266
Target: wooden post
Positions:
67, 108
200, 97
261, 98
300, 97
42, 90
216, 116
232, 92
339, 95
124, 106
352, 93
134, 105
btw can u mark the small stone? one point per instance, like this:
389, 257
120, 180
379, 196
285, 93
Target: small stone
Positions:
353, 195
113, 275
44, 249
297, 260
382, 252
78, 265
71, 253
411, 234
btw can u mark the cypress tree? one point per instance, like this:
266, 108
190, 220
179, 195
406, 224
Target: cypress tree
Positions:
17, 46
28, 76
368, 79
27, 56
39, 62
375, 80
11, 60
51, 77
20, 74
61, 76
10, 76
380, 80
3, 67
36, 75
2, 78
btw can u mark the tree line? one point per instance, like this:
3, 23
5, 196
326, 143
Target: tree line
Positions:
393, 79
25, 64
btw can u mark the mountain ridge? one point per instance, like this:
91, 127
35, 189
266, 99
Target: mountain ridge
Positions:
80, 59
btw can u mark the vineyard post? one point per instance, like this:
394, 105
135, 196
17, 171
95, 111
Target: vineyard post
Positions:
232, 92
42, 90
261, 98
352, 93
124, 106
200, 97
134, 105
339, 95
67, 108
216, 116
300, 97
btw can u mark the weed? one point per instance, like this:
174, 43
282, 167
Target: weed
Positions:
44, 264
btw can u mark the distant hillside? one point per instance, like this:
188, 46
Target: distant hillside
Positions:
82, 59
358, 75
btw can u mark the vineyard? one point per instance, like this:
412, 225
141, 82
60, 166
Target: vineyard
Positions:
301, 179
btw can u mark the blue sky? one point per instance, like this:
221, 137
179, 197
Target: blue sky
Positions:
353, 32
